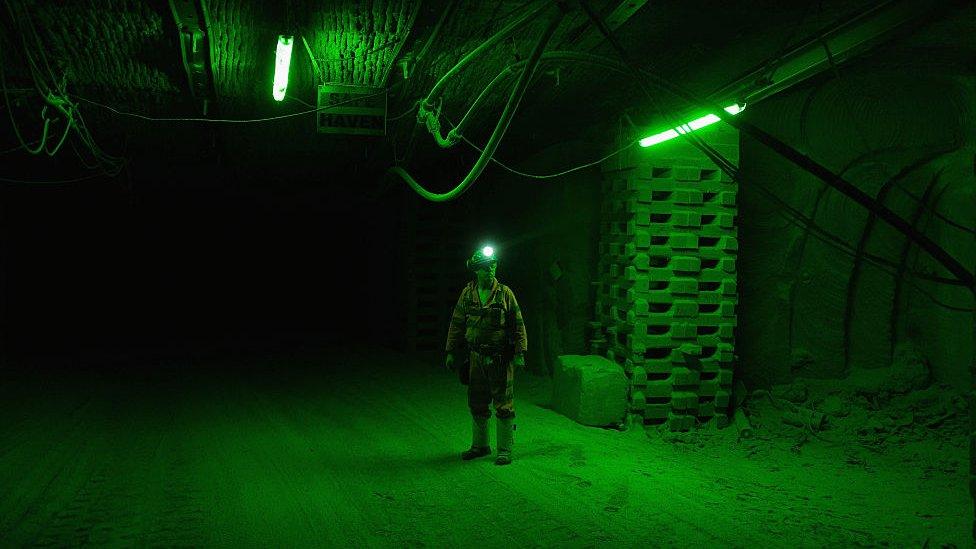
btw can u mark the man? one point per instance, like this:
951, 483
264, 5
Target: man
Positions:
488, 322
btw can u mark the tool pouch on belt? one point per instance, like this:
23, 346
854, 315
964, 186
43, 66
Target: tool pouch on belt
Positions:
464, 369
502, 354
464, 364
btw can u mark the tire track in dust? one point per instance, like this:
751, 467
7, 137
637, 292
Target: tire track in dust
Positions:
505, 495
51, 457
130, 497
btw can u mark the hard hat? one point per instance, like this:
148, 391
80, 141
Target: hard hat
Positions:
483, 257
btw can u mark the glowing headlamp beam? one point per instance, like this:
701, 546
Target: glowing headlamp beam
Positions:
695, 124
487, 251
282, 61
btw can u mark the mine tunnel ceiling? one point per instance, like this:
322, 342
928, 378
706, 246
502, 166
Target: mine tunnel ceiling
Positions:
127, 53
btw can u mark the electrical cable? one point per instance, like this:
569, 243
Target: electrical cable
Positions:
114, 164
437, 28
949, 262
18, 147
818, 232
634, 72
799, 219
551, 175
942, 304
81, 158
417, 59
771, 63
397, 160
546, 176
54, 182
401, 43
228, 120
55, 96
69, 124
41, 49
961, 274
426, 112
405, 113
295, 98
39, 83
506, 15
53, 91
491, 18
10, 113
500, 128
457, 131
907, 247
935, 213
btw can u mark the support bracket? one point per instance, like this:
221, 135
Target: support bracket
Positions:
191, 23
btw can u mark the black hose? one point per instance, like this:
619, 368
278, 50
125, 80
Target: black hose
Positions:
500, 128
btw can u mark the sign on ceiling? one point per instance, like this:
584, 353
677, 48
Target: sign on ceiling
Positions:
351, 110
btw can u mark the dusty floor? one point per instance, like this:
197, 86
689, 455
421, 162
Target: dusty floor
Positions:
361, 450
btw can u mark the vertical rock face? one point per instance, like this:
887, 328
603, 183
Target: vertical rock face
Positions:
847, 301
590, 389
357, 43
116, 47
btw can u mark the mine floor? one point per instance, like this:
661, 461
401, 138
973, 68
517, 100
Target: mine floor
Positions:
360, 448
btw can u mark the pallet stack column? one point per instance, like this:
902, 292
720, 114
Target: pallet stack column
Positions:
667, 294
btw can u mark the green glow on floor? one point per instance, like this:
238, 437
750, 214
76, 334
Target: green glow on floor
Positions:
360, 448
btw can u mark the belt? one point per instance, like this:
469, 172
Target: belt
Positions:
486, 350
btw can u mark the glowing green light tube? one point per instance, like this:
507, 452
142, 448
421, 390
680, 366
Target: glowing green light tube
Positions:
695, 124
282, 61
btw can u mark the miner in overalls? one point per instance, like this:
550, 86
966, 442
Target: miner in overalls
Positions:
485, 342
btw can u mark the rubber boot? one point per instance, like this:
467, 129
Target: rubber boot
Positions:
506, 438
479, 439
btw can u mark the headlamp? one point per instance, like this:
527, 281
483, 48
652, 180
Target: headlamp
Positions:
481, 258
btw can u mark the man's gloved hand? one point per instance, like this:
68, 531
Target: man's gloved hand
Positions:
449, 362
519, 360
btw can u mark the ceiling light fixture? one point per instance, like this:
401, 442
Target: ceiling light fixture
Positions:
282, 61
695, 124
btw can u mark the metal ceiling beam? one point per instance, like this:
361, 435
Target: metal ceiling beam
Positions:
827, 49
614, 18
191, 22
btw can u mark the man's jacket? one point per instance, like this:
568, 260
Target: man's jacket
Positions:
495, 327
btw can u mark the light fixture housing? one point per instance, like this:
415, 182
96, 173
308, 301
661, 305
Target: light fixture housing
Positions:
282, 62
695, 124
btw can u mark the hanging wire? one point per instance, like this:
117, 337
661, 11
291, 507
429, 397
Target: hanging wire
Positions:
400, 42
552, 175
935, 213
227, 120
19, 147
53, 91
412, 108
501, 126
543, 176
54, 182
